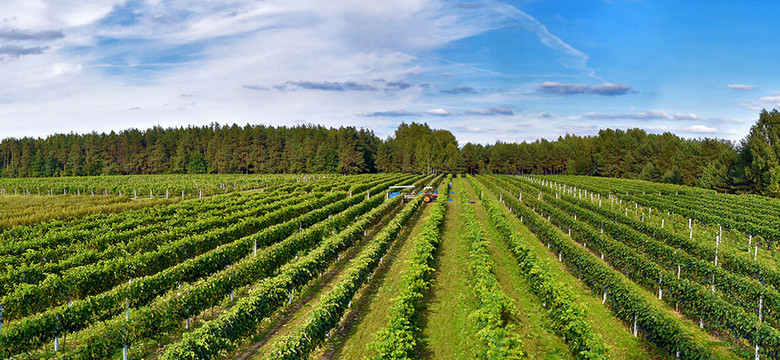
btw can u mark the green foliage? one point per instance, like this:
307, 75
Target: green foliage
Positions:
398, 339
331, 308
495, 335
240, 321
627, 303
763, 143
567, 316
276, 245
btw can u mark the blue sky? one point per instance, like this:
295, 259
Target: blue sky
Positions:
487, 70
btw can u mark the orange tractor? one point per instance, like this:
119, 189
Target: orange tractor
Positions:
429, 194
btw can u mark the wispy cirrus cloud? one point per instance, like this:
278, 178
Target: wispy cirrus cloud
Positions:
741, 87
606, 89
762, 102
569, 55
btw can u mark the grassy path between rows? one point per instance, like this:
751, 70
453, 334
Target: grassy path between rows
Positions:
447, 333
721, 348
370, 308
539, 341
294, 315
622, 344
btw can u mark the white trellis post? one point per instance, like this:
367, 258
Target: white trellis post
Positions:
57, 336
127, 320
717, 248
760, 308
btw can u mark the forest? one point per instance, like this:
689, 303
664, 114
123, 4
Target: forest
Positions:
751, 165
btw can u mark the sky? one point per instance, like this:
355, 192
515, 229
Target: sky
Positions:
487, 70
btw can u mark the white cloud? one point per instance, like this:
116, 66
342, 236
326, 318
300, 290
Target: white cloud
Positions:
762, 103
439, 112
700, 129
649, 115
770, 99
741, 87
215, 52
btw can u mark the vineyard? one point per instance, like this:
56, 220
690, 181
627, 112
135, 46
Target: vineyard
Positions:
344, 267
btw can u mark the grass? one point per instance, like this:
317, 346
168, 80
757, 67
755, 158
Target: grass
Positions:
722, 349
27, 210
732, 242
447, 333
622, 344
539, 341
374, 304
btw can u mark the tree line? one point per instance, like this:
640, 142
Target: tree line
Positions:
751, 165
